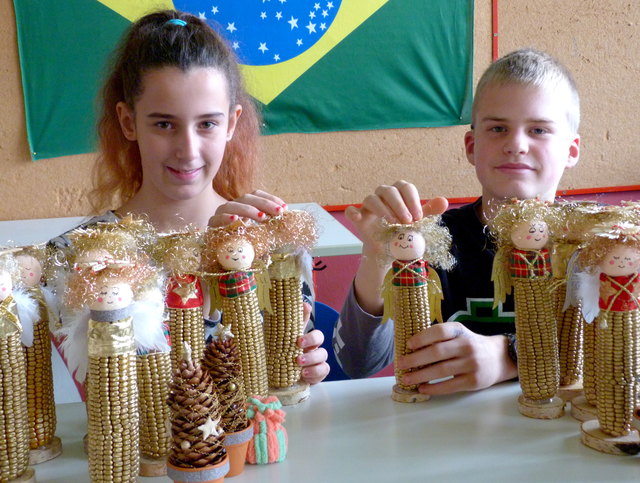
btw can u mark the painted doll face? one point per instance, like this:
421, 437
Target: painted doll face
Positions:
407, 245
112, 295
530, 235
236, 255
30, 270
6, 285
622, 260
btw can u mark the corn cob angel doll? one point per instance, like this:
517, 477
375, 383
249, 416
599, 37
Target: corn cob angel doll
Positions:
18, 312
522, 263
294, 233
580, 218
613, 255
234, 261
568, 225
411, 291
44, 444
179, 256
101, 340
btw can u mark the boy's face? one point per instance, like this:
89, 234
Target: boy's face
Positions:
521, 142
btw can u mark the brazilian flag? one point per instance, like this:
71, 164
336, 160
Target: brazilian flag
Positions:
312, 66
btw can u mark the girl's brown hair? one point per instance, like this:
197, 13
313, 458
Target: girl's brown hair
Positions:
153, 42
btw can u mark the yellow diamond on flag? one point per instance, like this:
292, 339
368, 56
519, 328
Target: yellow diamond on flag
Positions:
266, 82
132, 11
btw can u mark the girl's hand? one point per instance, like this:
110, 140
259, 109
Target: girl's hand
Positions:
258, 206
314, 358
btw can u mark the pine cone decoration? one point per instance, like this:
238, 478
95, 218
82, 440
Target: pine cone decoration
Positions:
197, 436
222, 362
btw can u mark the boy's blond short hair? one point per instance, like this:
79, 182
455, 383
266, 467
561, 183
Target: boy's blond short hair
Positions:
532, 68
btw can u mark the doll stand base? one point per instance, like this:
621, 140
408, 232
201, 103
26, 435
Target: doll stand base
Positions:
46, 452
582, 410
570, 391
406, 396
152, 466
290, 396
29, 476
548, 409
594, 438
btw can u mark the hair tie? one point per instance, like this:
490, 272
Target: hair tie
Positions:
177, 21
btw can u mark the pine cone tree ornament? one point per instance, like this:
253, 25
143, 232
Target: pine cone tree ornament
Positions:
197, 437
222, 362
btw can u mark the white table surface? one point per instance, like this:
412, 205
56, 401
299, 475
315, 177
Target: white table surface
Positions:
334, 238
351, 431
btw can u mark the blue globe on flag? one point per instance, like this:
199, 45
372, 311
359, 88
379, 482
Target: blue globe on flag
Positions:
265, 32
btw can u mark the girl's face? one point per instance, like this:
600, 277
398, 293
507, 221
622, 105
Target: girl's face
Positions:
181, 122
30, 270
112, 295
622, 260
530, 235
237, 255
407, 245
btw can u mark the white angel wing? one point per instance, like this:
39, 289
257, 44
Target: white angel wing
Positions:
28, 313
148, 322
74, 343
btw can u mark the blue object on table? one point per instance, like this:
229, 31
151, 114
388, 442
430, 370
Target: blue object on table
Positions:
325, 321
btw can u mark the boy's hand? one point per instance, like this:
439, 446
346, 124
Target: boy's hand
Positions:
258, 206
450, 349
398, 203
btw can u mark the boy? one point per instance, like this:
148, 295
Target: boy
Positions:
523, 136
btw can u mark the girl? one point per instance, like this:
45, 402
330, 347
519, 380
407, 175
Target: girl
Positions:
178, 138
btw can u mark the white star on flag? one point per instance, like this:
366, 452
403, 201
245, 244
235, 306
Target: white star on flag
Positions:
299, 42
329, 5
325, 13
312, 14
293, 22
263, 47
311, 27
202, 16
278, 15
231, 27
210, 427
323, 26
214, 10
263, 15
235, 46
317, 6
276, 57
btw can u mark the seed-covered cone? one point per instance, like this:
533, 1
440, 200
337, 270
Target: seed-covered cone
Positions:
222, 362
197, 438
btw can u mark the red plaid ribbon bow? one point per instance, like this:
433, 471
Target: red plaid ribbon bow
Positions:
530, 263
235, 284
407, 274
